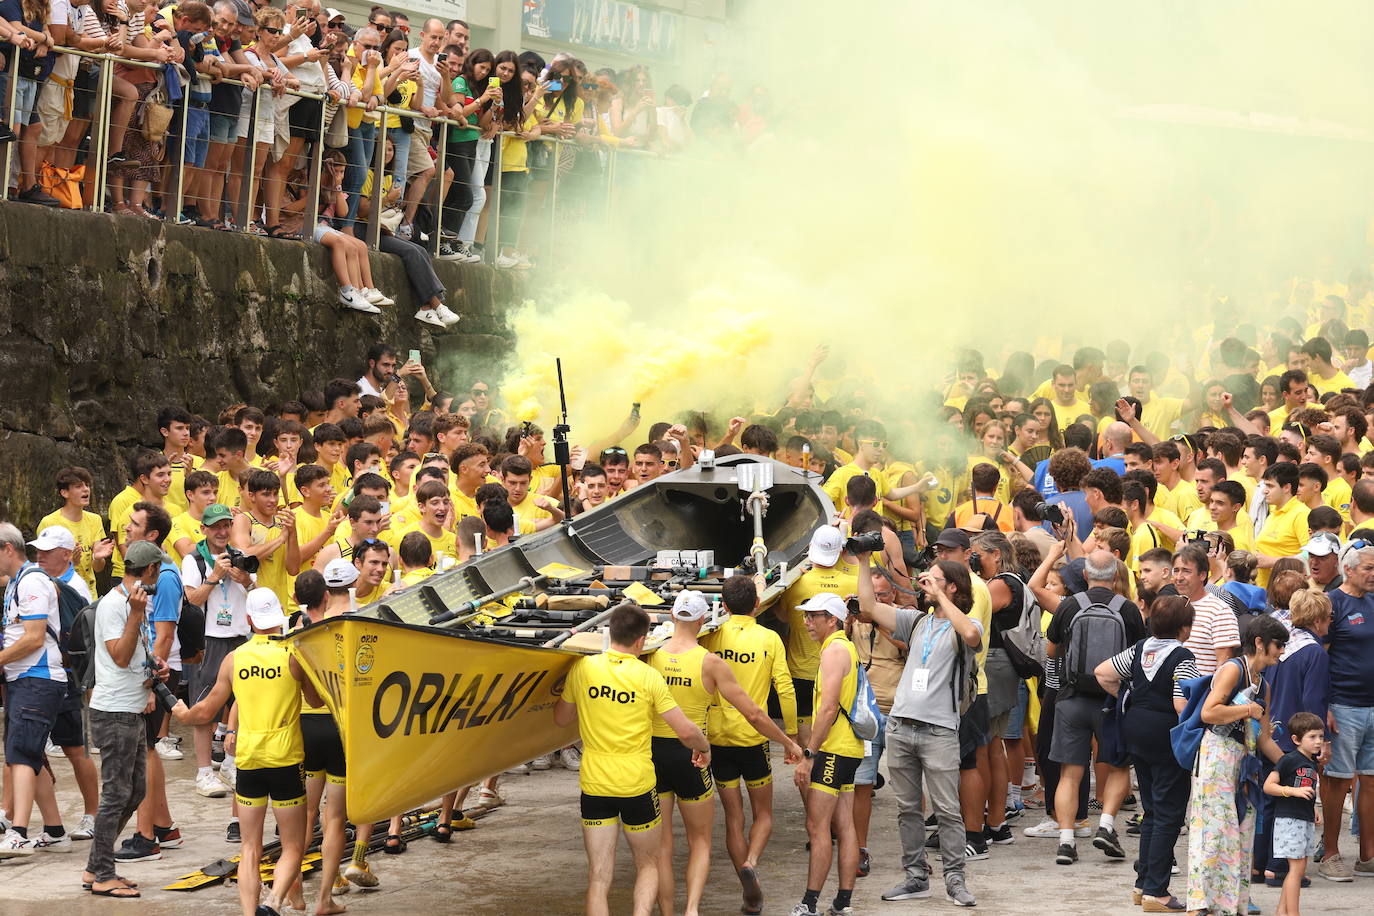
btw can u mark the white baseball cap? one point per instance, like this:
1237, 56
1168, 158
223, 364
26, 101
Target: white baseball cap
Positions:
829, 602
264, 609
53, 537
690, 605
340, 573
826, 544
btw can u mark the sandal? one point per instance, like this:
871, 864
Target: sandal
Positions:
443, 833
397, 849
119, 892
277, 232
86, 885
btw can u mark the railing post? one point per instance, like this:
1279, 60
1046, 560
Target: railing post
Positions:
178, 182
12, 98
440, 192
100, 132
549, 246
374, 223
244, 205
495, 230
312, 200
610, 181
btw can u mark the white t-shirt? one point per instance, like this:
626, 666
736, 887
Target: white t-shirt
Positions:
429, 83
226, 610
367, 387
77, 584
307, 71
117, 689
61, 12
32, 596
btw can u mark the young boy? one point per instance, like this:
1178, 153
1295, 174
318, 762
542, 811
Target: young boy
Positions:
93, 548
1294, 783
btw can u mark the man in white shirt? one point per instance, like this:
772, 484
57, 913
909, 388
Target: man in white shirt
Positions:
118, 702
36, 685
306, 62
381, 370
434, 90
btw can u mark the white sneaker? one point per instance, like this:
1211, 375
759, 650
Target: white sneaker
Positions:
446, 315
13, 846
1081, 829
354, 299
542, 762
5, 824
85, 828
52, 750
229, 772
489, 798
507, 262
520, 769
570, 757
1047, 829
49, 844
210, 786
376, 296
167, 749
430, 316
467, 255
522, 262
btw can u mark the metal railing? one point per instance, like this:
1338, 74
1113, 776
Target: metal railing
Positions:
173, 191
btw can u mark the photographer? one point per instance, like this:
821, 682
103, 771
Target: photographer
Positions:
118, 704
922, 737
217, 581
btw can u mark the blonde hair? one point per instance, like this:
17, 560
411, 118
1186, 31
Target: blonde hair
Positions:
269, 16
1122, 583
1308, 607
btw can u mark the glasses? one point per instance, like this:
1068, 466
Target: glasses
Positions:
435, 456
271, 31
876, 443
672, 462
816, 613
369, 47
335, 25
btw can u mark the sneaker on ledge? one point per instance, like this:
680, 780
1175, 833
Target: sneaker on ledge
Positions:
353, 299
429, 316
446, 315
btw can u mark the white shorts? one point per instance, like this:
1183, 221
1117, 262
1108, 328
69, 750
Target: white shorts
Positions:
265, 129
1294, 839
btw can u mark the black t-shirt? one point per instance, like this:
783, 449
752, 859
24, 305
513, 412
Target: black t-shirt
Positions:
1296, 771
1010, 615
1058, 631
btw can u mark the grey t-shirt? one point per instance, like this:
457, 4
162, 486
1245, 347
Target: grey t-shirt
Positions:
117, 689
931, 641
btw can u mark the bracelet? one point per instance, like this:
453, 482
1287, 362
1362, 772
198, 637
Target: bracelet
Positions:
230, 731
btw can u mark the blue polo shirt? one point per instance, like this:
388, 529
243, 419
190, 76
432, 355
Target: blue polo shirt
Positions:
1350, 649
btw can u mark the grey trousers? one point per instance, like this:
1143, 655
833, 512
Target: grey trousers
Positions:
123, 781
419, 271
924, 757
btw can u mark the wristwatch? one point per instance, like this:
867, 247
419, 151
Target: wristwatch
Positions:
807, 753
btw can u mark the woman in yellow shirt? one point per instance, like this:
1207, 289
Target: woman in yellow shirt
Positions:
507, 115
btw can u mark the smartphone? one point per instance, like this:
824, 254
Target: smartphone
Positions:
441, 56
494, 82
414, 357
555, 86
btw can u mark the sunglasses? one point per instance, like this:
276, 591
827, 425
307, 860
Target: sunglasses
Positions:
879, 443
435, 456
335, 25
614, 450
271, 31
479, 392
369, 47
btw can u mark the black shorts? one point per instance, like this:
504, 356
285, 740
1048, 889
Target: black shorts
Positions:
635, 813
806, 693
66, 728
304, 118
973, 733
677, 775
834, 774
284, 785
324, 753
152, 722
731, 764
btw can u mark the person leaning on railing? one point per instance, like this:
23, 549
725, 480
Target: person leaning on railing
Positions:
21, 24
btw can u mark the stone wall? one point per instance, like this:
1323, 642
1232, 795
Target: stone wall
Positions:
105, 319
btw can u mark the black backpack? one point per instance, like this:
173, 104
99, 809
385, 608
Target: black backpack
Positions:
81, 643
70, 603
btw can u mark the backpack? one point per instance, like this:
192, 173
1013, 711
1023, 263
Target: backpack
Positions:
1096, 633
80, 658
1186, 736
864, 716
69, 605
1024, 642
963, 681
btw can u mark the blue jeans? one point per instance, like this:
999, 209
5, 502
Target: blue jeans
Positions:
361, 140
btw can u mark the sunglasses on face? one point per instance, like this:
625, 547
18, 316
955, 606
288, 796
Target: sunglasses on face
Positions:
271, 31
479, 392
369, 47
335, 25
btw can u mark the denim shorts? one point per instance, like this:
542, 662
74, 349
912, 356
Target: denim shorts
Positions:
1352, 747
25, 100
867, 774
223, 127
31, 707
1017, 720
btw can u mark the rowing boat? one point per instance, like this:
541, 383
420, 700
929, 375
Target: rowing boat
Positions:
443, 684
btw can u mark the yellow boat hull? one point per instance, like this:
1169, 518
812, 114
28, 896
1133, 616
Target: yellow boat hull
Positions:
424, 711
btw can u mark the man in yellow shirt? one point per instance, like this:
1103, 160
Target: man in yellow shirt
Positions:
541, 511
200, 489
152, 476
174, 425
93, 548
470, 465
1148, 521
1068, 404
1157, 413
1322, 374
1226, 512
1174, 494
330, 443
268, 531
1324, 451
1230, 450
230, 465
315, 524
614, 697
417, 558
1296, 391
871, 439
435, 513
1285, 530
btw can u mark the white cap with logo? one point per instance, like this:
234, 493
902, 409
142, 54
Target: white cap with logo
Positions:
690, 605
829, 602
52, 538
264, 609
826, 544
340, 573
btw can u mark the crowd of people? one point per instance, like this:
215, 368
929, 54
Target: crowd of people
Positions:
190, 81
1132, 595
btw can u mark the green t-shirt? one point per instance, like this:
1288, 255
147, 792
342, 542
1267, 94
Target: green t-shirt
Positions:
463, 134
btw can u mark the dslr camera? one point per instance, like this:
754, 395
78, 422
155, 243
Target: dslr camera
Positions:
1050, 512
240, 560
868, 542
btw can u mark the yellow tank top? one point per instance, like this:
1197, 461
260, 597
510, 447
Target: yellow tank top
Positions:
682, 673
269, 701
272, 571
841, 740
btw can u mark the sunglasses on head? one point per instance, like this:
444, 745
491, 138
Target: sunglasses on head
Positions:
431, 456
614, 450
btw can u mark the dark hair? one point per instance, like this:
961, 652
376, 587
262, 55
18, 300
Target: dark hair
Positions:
498, 515
1028, 499
70, 476
1195, 556
338, 388
1232, 490
628, 623
307, 474
328, 432
957, 574
309, 588
156, 519
262, 481
363, 503
1169, 615
1112, 517
1264, 447
1146, 479
739, 594
512, 95
1264, 629
983, 478
1303, 722
169, 415
416, 549
861, 490
1104, 479
147, 460
1068, 466
759, 438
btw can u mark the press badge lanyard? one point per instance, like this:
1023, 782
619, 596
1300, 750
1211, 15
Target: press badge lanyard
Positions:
920, 678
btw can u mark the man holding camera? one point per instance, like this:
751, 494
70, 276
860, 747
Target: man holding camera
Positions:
217, 582
119, 701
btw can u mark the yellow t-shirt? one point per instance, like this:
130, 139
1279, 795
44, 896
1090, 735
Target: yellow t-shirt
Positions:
87, 533
1147, 537
1181, 500
1284, 534
836, 483
463, 504
356, 116
894, 471
981, 612
415, 576
309, 527
445, 545
121, 507
1160, 414
938, 501
176, 494
1329, 385
184, 525
272, 569
1246, 481
528, 513
618, 698
1065, 416
1243, 534
514, 151
803, 652
758, 660
230, 493
1337, 495
1277, 417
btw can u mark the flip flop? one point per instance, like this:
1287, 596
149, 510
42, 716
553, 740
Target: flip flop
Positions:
115, 893
86, 885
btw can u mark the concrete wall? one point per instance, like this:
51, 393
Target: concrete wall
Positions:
105, 319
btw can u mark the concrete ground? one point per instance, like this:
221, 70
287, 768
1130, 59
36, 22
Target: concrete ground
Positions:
527, 858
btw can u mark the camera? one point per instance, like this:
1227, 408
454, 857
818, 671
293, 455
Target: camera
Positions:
1050, 513
975, 563
165, 699
868, 542
242, 561
150, 589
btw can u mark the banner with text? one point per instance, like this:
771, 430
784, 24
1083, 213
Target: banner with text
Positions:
607, 25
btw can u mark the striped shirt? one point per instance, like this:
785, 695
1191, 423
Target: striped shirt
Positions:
1214, 627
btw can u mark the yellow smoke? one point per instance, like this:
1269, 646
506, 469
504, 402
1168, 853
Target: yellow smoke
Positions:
1006, 176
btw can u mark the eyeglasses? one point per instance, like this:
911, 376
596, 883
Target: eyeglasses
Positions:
335, 25
271, 31
478, 392
369, 47
816, 613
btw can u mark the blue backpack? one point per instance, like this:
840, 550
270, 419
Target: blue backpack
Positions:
865, 718
1186, 736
